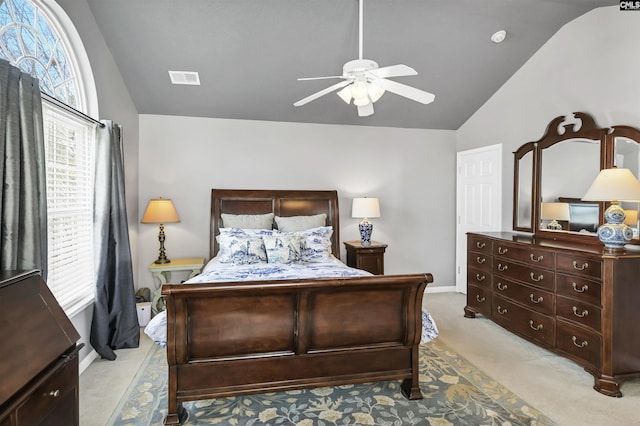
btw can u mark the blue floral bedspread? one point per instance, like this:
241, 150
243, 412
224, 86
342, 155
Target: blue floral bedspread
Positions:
219, 272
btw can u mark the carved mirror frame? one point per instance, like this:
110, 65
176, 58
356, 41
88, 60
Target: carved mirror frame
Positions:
579, 126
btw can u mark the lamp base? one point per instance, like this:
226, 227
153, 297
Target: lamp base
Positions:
554, 225
161, 261
366, 228
615, 234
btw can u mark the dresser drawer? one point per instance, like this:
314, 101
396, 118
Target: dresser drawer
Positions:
478, 277
577, 311
579, 288
479, 244
528, 275
579, 342
479, 299
480, 261
57, 395
579, 265
538, 258
523, 321
534, 298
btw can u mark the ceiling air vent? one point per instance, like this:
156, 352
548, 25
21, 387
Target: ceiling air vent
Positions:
184, 77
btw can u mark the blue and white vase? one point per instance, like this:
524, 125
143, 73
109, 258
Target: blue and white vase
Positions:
366, 228
615, 234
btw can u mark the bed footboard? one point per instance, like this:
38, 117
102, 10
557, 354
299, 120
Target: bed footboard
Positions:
236, 338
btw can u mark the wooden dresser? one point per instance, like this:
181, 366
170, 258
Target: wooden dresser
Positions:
39, 367
570, 298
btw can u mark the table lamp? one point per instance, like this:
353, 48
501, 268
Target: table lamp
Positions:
365, 208
554, 212
614, 185
160, 210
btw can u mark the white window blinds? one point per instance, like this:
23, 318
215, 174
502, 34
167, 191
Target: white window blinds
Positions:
69, 150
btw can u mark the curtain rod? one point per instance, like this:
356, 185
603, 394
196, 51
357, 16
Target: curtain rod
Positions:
70, 109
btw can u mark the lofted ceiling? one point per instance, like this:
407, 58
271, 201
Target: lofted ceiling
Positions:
249, 54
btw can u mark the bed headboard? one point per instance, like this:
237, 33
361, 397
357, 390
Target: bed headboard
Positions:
278, 202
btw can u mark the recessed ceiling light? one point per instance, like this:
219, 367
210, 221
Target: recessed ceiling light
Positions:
184, 77
498, 36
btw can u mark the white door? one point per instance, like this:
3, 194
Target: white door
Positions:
478, 201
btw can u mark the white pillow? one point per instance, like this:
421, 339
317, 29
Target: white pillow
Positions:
300, 223
282, 248
247, 221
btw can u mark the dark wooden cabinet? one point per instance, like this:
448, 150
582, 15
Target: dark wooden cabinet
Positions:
571, 298
370, 258
39, 354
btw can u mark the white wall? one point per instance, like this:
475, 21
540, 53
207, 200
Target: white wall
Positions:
114, 103
591, 65
411, 171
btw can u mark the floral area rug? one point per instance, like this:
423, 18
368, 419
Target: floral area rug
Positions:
455, 393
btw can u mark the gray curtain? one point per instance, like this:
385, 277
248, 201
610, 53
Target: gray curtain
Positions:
115, 318
23, 197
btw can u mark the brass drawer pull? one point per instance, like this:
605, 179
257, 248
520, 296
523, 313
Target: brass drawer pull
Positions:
480, 244
534, 278
502, 311
502, 287
502, 250
538, 300
537, 327
536, 259
480, 277
502, 267
582, 289
580, 315
581, 344
584, 266
55, 393
480, 260
480, 299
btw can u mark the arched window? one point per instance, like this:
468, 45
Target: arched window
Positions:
31, 41
39, 38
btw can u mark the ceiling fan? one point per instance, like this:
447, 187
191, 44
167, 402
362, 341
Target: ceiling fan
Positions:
365, 83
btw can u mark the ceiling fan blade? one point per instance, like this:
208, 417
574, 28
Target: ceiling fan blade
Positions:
366, 110
322, 93
404, 90
320, 78
393, 71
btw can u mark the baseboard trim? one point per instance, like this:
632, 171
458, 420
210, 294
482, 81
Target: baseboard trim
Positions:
441, 289
87, 360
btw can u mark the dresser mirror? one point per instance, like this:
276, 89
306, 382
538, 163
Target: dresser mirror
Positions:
553, 173
524, 169
626, 154
567, 169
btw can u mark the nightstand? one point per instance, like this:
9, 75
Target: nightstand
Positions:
370, 258
162, 271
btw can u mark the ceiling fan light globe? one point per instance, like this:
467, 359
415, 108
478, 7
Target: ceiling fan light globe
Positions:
345, 94
375, 92
359, 90
362, 101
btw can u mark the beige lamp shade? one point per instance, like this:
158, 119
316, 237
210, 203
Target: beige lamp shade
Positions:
614, 184
557, 211
631, 217
160, 210
365, 207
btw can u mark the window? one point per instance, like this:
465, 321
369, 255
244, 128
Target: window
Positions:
30, 40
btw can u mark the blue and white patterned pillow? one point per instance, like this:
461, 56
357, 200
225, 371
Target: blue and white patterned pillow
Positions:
315, 244
241, 249
282, 248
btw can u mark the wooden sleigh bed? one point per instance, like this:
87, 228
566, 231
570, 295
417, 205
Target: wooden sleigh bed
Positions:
236, 338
